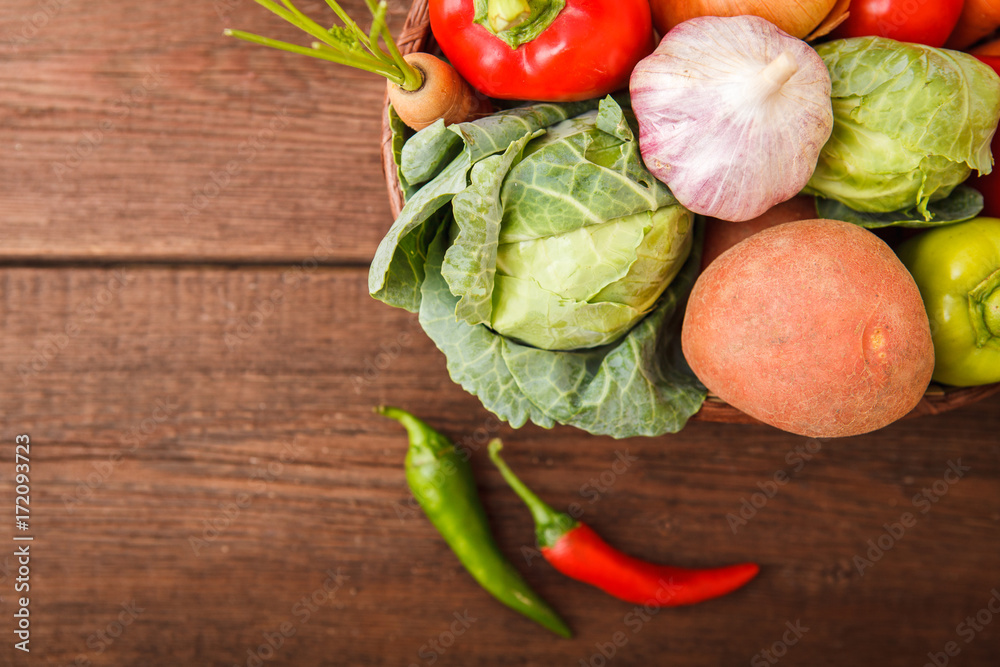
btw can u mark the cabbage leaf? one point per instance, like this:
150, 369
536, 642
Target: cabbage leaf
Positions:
507, 181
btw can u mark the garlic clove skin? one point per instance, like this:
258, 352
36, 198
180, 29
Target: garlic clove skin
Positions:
732, 114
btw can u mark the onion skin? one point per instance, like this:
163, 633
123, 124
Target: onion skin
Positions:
732, 114
796, 18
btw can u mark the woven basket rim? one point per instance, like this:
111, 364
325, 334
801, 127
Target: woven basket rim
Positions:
416, 35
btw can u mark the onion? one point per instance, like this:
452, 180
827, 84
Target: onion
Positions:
732, 114
796, 17
837, 15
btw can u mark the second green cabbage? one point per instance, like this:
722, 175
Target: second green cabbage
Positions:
910, 123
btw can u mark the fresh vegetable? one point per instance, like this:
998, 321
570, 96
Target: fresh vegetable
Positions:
814, 327
926, 22
837, 15
733, 114
577, 551
589, 285
991, 48
978, 20
442, 482
957, 268
721, 235
530, 220
421, 88
796, 17
989, 184
910, 123
964, 203
578, 191
543, 50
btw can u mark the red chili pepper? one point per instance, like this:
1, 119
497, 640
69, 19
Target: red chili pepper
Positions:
577, 551
545, 50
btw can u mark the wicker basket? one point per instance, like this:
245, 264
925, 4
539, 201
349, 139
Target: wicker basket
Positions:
416, 36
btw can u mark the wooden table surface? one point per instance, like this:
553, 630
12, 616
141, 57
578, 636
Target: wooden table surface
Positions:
185, 227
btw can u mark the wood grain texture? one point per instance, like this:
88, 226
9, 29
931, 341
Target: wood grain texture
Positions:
136, 130
209, 485
212, 464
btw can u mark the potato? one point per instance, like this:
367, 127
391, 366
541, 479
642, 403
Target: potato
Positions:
814, 327
721, 235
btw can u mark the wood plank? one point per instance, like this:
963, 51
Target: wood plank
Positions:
136, 130
198, 469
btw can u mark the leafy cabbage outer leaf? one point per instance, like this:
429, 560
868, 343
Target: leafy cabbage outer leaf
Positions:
470, 263
397, 269
400, 134
910, 123
964, 203
633, 387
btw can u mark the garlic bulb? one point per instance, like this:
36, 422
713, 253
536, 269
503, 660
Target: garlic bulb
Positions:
732, 114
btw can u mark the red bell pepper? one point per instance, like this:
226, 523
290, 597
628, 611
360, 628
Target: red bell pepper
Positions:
577, 551
545, 50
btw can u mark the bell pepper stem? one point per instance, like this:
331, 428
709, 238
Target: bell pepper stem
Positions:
984, 309
506, 14
550, 525
991, 313
516, 22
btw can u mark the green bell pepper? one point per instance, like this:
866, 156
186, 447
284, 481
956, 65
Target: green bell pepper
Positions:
957, 269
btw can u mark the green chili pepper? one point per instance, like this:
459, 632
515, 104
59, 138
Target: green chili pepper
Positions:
442, 482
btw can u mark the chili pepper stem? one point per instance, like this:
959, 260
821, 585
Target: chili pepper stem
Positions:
425, 443
550, 525
409, 422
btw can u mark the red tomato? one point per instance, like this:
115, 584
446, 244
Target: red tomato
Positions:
927, 22
989, 185
589, 50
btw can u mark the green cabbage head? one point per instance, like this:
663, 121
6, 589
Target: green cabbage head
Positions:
567, 276
548, 265
910, 123
559, 238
